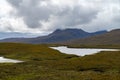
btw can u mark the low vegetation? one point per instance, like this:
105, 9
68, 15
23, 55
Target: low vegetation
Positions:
109, 38
94, 46
43, 63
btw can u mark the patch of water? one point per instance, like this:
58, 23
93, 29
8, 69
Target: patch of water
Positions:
5, 60
80, 51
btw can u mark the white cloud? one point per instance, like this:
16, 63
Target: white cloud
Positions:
39, 16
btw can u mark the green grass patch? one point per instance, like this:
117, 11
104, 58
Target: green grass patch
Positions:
44, 63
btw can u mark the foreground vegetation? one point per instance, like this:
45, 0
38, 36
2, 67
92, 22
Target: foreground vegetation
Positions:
43, 63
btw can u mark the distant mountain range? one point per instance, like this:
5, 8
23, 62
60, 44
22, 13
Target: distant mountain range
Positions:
56, 37
109, 38
4, 35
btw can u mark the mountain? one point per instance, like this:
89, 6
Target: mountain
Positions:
4, 35
109, 38
55, 37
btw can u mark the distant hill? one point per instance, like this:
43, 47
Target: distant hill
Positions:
56, 37
4, 35
109, 38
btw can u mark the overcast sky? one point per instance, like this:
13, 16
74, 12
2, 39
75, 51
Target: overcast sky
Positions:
43, 16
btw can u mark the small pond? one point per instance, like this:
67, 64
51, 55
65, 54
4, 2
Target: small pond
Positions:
6, 60
80, 51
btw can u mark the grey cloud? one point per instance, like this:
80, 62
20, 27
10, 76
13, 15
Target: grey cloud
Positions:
15, 3
70, 18
33, 14
55, 16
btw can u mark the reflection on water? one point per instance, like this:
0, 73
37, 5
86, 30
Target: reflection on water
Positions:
80, 51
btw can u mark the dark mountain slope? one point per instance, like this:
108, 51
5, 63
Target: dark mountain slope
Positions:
112, 37
56, 36
67, 34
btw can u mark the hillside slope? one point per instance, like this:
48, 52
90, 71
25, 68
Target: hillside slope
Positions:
109, 38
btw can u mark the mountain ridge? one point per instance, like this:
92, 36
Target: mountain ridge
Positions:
109, 38
55, 37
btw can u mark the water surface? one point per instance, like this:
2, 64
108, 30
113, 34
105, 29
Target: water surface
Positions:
5, 60
80, 51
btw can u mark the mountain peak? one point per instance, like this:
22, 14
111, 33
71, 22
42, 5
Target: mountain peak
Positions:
57, 30
59, 35
68, 30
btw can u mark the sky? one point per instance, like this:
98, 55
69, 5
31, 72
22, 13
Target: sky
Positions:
44, 16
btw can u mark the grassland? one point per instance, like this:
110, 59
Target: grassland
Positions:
43, 63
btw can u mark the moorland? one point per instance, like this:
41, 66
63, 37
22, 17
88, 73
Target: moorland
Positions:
44, 63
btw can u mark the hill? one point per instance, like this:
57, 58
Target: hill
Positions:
108, 38
55, 37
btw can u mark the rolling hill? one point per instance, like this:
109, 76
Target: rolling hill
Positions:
109, 38
55, 37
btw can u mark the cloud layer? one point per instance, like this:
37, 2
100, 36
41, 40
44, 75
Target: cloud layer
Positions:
48, 15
